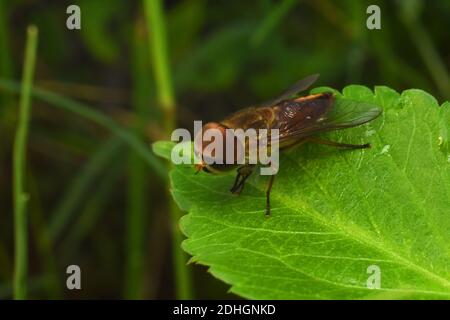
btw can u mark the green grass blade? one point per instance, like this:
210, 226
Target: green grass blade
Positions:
19, 156
97, 117
79, 186
270, 22
92, 209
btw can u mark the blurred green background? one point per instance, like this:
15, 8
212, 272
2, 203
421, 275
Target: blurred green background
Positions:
93, 201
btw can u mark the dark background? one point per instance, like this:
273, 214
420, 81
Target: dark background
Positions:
84, 184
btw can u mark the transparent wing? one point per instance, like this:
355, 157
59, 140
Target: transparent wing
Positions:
344, 114
297, 87
349, 113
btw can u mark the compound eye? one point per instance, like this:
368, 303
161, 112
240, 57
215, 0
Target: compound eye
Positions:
199, 143
207, 136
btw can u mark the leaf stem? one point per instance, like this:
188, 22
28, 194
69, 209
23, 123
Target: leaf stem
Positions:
19, 156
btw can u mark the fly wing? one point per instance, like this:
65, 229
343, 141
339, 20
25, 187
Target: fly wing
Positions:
297, 87
299, 115
349, 113
344, 114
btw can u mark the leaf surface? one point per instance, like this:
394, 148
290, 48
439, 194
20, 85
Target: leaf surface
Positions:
335, 213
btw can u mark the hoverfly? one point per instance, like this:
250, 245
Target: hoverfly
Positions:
298, 120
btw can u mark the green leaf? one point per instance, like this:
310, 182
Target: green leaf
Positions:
335, 212
163, 149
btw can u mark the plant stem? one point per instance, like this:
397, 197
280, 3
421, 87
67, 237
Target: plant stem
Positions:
19, 155
158, 46
138, 175
158, 43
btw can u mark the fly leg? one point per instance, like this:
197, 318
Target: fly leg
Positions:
338, 144
236, 182
242, 174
